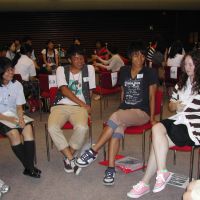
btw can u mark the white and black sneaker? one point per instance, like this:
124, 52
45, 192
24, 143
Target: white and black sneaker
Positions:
71, 167
3, 187
109, 176
86, 158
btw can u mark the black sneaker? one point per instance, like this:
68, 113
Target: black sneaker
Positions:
109, 177
71, 167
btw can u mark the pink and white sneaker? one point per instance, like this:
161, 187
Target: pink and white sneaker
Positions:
161, 180
139, 190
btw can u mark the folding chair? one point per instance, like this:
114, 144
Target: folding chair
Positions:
67, 125
43, 92
106, 88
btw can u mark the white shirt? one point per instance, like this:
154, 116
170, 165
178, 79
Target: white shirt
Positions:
50, 57
25, 67
176, 61
11, 95
185, 96
75, 83
10, 55
115, 63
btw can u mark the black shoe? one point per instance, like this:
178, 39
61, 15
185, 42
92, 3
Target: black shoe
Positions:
37, 170
31, 172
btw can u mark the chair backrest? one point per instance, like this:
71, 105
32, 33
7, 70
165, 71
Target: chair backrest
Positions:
159, 103
105, 80
168, 79
52, 94
18, 77
43, 82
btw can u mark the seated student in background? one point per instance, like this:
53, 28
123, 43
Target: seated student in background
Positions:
3, 50
138, 85
11, 101
180, 129
175, 54
28, 40
11, 50
49, 57
72, 103
193, 191
114, 63
24, 66
101, 51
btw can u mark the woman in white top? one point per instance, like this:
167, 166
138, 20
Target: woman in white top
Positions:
12, 122
181, 129
50, 56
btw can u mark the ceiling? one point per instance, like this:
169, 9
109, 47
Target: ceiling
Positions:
64, 5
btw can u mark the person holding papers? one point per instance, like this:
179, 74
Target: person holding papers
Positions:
12, 119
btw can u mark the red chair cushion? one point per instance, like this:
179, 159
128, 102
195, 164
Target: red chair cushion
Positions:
68, 125
103, 91
184, 148
137, 129
45, 94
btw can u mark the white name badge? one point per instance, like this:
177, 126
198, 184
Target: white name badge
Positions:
139, 75
85, 79
52, 81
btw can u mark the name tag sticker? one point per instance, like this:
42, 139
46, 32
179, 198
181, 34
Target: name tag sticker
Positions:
85, 79
139, 75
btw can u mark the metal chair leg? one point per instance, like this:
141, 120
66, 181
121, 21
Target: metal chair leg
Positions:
123, 141
90, 132
191, 164
101, 109
174, 161
198, 170
143, 149
47, 142
104, 152
35, 155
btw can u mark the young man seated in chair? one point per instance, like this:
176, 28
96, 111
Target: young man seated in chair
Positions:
72, 103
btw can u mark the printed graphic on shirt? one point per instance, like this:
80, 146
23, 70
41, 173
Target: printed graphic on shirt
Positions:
133, 90
75, 87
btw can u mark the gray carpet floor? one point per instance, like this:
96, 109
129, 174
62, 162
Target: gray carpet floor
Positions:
55, 184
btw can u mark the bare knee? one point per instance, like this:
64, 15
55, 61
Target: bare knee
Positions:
14, 137
158, 130
28, 132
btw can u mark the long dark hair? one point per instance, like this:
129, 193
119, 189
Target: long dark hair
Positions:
176, 48
5, 63
195, 56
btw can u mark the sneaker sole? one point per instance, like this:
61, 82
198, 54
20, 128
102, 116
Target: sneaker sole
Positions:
78, 171
108, 184
68, 171
84, 165
136, 196
163, 187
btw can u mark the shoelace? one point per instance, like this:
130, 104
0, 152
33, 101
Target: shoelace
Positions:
86, 155
160, 178
109, 174
138, 187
